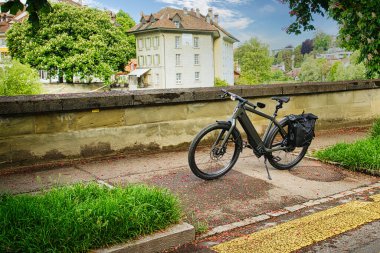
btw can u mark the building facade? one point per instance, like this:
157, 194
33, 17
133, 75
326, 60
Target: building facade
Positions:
181, 49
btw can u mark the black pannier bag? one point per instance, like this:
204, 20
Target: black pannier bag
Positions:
301, 129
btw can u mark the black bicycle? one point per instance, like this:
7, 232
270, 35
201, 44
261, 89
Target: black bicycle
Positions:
216, 148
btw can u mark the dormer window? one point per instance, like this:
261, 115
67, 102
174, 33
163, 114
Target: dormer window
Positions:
177, 20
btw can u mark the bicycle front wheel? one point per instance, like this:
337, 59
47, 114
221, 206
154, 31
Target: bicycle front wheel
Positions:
208, 159
283, 159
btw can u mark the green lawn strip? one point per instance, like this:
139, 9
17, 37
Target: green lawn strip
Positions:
363, 155
375, 130
82, 217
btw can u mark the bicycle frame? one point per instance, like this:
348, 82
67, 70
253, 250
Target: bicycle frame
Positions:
254, 139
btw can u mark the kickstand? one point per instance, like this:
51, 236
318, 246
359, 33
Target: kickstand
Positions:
265, 162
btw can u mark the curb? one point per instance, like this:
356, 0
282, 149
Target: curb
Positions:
286, 210
176, 235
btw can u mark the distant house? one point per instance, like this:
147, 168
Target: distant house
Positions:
335, 54
280, 67
181, 48
131, 66
294, 73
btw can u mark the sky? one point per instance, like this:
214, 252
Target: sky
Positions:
264, 19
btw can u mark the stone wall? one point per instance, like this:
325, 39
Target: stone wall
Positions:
56, 127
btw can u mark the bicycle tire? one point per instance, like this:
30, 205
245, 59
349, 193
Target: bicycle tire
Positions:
274, 138
204, 170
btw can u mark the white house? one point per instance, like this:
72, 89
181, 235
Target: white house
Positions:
181, 49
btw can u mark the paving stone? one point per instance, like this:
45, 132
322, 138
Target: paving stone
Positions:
294, 208
277, 213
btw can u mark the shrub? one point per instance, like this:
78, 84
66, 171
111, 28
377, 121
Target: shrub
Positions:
220, 83
18, 79
82, 217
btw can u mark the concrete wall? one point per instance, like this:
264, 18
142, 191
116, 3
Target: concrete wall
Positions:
54, 127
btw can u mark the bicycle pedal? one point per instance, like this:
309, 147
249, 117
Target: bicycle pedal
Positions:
276, 158
246, 145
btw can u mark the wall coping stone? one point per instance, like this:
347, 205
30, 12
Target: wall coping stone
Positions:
38, 104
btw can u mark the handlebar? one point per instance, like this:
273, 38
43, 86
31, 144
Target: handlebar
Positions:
234, 97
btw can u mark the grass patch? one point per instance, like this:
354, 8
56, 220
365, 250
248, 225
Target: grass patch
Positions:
200, 225
375, 130
83, 217
363, 155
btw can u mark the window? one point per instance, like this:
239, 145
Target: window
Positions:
178, 78
196, 76
196, 59
148, 42
176, 23
196, 42
156, 59
140, 44
149, 60
177, 59
177, 41
156, 42
157, 79
141, 60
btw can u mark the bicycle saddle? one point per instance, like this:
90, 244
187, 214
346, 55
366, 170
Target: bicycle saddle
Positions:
282, 99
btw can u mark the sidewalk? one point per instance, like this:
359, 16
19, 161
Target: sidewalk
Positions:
243, 193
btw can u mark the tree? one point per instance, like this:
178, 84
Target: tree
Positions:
353, 71
287, 55
18, 79
307, 46
125, 21
255, 62
359, 23
33, 7
314, 70
321, 42
298, 57
72, 41
279, 76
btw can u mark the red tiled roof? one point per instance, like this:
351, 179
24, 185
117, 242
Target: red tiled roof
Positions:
189, 21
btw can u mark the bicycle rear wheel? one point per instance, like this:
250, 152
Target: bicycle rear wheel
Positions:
283, 159
207, 158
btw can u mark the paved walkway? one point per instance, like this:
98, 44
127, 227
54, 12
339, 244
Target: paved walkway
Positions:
243, 193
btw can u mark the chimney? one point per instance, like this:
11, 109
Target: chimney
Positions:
192, 9
113, 17
216, 18
210, 12
198, 14
208, 19
185, 10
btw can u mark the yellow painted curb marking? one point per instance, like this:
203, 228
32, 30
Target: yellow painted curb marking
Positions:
299, 233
